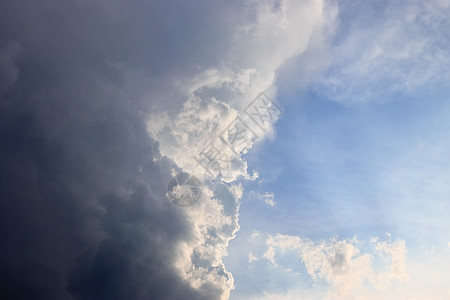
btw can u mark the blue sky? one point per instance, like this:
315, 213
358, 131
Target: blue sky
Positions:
356, 165
365, 157
341, 171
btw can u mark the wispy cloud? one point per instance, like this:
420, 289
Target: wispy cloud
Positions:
400, 49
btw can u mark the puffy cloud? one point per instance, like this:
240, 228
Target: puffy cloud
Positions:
216, 109
214, 222
352, 268
84, 213
264, 38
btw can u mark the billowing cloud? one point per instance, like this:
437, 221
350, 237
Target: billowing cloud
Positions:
352, 268
216, 121
264, 38
111, 100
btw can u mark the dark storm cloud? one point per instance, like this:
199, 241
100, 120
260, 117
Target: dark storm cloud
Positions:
8, 69
83, 213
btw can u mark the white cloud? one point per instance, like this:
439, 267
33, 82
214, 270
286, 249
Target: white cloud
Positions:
215, 222
257, 43
196, 126
273, 32
401, 49
269, 198
352, 268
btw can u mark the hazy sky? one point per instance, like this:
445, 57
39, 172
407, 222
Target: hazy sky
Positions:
316, 133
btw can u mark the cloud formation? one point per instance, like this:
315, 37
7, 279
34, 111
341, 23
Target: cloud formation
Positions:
353, 269
264, 38
84, 212
215, 102
8, 68
383, 50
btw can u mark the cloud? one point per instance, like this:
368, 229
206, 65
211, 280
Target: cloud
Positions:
84, 213
269, 198
270, 33
215, 102
398, 50
214, 222
8, 68
352, 268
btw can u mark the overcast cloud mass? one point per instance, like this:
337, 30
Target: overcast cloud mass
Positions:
104, 102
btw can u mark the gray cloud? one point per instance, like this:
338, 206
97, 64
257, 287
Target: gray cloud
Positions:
8, 69
83, 211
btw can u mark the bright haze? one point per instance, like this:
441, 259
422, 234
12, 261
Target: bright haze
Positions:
272, 149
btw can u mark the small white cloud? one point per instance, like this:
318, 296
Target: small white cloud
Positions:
255, 235
252, 258
269, 198
270, 255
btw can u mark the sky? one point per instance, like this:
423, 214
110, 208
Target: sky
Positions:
272, 149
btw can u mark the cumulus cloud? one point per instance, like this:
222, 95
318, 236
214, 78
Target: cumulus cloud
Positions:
83, 211
216, 111
266, 36
111, 100
352, 268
